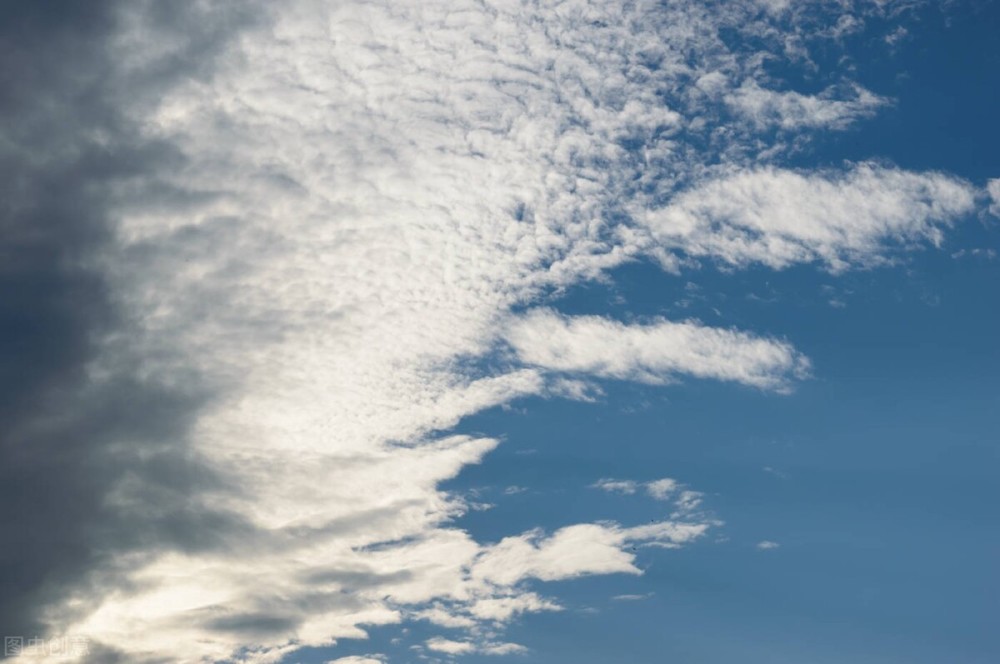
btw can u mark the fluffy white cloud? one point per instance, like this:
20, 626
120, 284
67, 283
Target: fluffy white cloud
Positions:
362, 194
573, 551
652, 353
502, 609
767, 545
780, 217
368, 659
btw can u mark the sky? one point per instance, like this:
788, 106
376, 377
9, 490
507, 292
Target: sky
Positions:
549, 331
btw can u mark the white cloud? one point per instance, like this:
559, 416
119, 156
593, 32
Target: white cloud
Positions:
993, 189
793, 110
617, 486
662, 489
450, 647
779, 217
631, 598
766, 545
573, 551
503, 649
362, 194
444, 617
354, 659
775, 6
652, 353
686, 502
467, 647
502, 609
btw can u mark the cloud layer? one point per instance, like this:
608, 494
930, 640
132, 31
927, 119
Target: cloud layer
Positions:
652, 353
312, 217
779, 217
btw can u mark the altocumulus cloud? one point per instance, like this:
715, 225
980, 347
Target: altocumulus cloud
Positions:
652, 353
280, 230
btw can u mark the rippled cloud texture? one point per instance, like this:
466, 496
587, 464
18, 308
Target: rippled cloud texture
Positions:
279, 243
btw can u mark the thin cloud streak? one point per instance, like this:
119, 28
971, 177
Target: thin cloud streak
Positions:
653, 353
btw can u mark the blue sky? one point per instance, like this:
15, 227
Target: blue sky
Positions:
876, 478
506, 331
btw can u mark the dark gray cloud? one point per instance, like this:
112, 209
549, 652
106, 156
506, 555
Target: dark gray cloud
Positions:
67, 440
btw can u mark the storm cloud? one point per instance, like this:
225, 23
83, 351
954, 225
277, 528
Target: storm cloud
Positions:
71, 436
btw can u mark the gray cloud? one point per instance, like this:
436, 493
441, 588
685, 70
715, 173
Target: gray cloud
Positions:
69, 440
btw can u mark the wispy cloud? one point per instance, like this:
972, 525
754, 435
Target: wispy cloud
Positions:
780, 217
661, 489
617, 486
993, 189
450, 647
686, 502
631, 598
793, 110
654, 353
